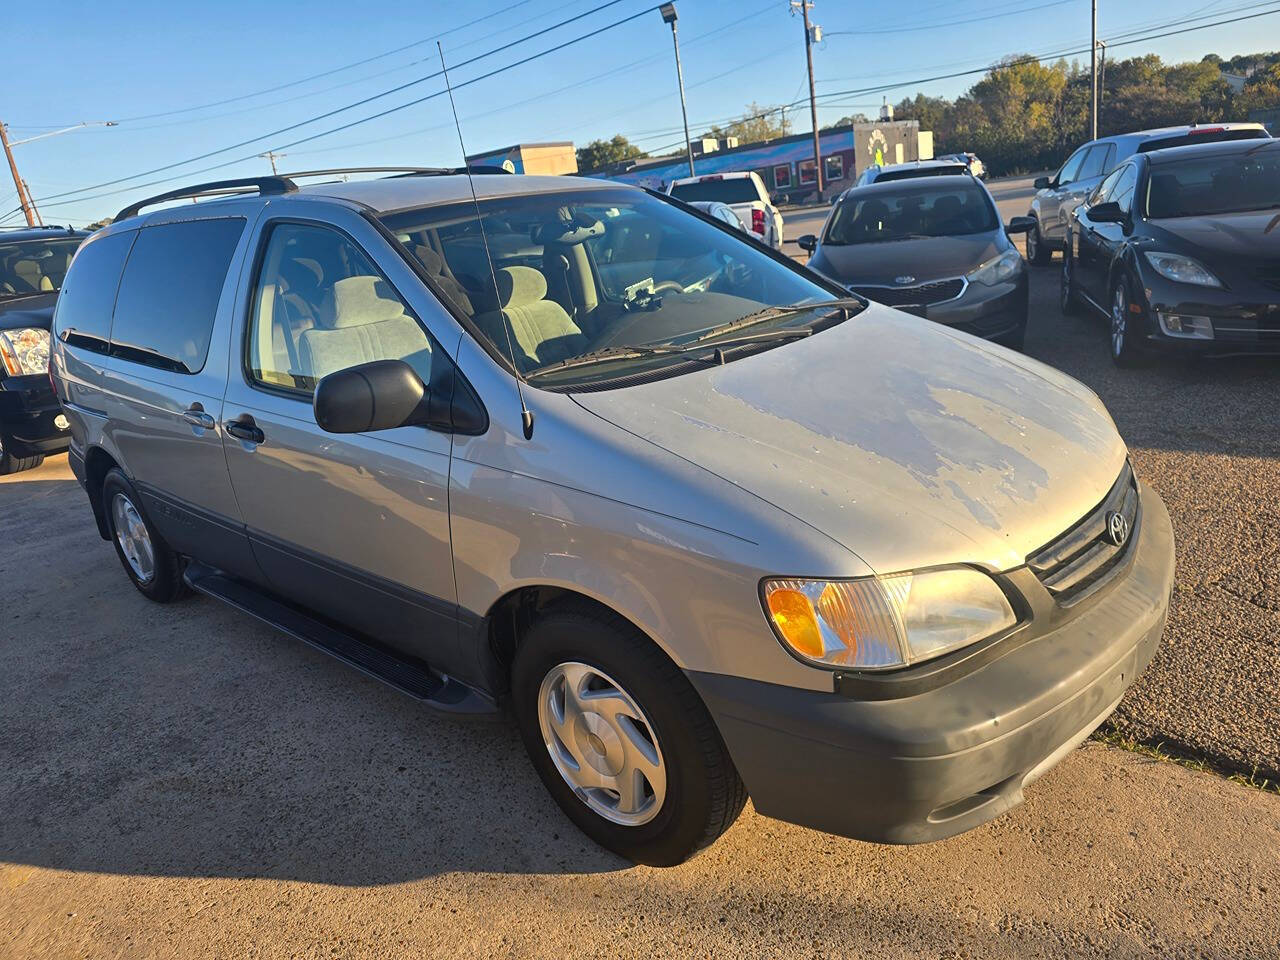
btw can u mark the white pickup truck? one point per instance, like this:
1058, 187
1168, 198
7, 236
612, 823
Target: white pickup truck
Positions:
746, 196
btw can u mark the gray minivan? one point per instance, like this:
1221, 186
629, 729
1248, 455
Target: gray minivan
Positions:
702, 523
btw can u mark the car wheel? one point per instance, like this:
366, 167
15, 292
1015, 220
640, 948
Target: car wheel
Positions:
621, 739
1125, 351
1037, 252
154, 568
1068, 298
14, 464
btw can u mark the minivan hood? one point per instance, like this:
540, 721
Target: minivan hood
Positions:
934, 258
909, 444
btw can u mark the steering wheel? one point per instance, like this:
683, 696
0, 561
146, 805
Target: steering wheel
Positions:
668, 285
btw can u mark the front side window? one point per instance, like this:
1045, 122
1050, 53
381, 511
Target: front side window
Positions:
1071, 168
584, 271
35, 266
1122, 193
1103, 190
320, 306
913, 210
1211, 186
170, 290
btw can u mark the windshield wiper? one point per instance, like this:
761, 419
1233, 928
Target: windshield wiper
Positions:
775, 313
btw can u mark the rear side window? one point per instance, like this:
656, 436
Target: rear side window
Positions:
170, 291
83, 313
1094, 162
734, 190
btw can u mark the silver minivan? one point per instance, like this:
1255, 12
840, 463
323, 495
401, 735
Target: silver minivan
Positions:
705, 526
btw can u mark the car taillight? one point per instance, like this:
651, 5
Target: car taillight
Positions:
1196, 131
757, 222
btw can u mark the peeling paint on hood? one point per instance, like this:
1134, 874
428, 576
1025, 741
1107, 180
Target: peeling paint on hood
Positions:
909, 444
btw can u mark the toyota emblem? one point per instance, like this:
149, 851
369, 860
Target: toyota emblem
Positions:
1117, 528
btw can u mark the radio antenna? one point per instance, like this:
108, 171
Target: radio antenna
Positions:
526, 415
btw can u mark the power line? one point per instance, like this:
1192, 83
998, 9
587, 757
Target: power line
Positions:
948, 23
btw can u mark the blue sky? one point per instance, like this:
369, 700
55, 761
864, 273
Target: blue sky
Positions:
94, 62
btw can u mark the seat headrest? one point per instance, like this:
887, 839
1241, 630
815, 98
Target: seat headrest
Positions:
361, 300
429, 259
518, 286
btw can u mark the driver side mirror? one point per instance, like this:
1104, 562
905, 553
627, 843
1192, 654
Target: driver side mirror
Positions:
1108, 212
379, 395
808, 242
1042, 183
1020, 225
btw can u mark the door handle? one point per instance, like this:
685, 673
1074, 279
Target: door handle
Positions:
244, 429
196, 416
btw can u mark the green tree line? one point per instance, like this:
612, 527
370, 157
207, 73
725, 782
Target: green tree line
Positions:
1024, 115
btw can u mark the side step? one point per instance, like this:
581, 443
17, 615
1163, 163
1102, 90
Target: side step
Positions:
409, 676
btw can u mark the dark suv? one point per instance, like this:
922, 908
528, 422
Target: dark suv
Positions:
33, 262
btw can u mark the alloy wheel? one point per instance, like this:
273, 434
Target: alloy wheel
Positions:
1033, 243
1119, 320
602, 743
133, 538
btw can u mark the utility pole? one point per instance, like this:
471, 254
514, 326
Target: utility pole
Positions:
27, 187
668, 11
1093, 73
17, 180
273, 157
804, 6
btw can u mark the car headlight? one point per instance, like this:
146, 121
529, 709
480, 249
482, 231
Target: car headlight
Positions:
25, 350
1176, 267
997, 269
891, 621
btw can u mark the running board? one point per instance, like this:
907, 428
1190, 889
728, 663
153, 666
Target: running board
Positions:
410, 677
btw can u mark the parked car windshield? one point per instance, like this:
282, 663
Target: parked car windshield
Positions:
1214, 185
591, 272
35, 266
728, 190
913, 173
933, 209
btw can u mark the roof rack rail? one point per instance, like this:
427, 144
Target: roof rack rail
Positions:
265, 186
399, 171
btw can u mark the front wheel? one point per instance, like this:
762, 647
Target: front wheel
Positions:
1125, 335
1037, 252
621, 739
1068, 297
10, 463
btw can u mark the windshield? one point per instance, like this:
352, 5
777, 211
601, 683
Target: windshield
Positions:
1213, 185
933, 210
35, 266
586, 272
731, 190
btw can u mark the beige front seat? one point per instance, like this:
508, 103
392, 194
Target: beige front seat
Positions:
28, 272
540, 329
368, 322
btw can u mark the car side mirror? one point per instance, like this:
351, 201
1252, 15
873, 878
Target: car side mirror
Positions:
808, 242
372, 396
1108, 212
1042, 183
1020, 225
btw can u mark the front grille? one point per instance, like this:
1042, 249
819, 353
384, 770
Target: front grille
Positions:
923, 294
1077, 562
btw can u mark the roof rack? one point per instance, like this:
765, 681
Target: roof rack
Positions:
282, 183
264, 186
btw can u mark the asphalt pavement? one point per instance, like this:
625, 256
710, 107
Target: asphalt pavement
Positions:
183, 781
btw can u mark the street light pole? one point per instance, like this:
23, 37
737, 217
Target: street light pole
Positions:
1093, 73
668, 11
804, 6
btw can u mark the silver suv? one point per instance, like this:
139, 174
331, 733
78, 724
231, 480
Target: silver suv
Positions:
704, 525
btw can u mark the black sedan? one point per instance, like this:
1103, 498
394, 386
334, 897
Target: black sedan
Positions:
32, 265
1180, 250
932, 246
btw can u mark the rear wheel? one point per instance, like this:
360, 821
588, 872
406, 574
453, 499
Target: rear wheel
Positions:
154, 568
9, 463
621, 739
1037, 252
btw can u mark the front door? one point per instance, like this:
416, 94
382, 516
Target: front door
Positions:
1099, 241
353, 526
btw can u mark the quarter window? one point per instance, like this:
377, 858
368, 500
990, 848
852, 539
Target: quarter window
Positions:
83, 313
319, 306
170, 291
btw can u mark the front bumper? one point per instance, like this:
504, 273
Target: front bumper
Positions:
29, 416
933, 764
983, 311
1243, 321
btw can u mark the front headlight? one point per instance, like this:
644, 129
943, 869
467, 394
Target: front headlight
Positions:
997, 269
891, 621
25, 350
1176, 267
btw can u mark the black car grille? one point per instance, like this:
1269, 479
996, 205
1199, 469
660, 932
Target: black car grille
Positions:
923, 294
1080, 560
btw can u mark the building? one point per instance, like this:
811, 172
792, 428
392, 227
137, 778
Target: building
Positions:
549, 158
786, 164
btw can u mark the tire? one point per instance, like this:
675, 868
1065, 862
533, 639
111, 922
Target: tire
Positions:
1124, 345
1068, 297
1037, 252
154, 568
647, 712
14, 464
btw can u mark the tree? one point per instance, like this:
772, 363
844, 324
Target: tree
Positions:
847, 121
758, 123
1262, 92
601, 153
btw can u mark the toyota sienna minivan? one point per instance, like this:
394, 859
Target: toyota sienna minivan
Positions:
704, 525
